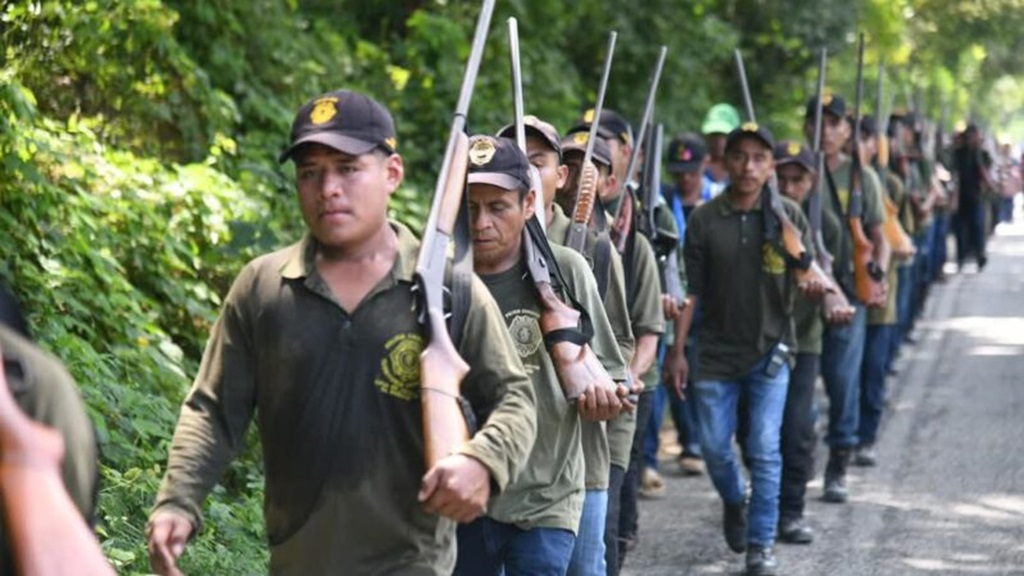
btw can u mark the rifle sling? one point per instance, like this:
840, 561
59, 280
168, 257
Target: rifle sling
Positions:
845, 279
543, 248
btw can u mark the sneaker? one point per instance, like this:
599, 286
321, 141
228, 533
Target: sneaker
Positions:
691, 465
761, 561
865, 456
982, 260
652, 485
795, 531
734, 526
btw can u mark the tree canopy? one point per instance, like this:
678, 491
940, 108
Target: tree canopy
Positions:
138, 142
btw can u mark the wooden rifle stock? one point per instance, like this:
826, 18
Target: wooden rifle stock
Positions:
441, 369
866, 287
902, 245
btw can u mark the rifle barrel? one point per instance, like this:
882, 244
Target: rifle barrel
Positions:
648, 113
746, 87
517, 82
822, 58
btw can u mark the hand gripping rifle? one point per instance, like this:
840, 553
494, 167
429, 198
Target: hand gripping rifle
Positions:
441, 367
577, 366
627, 187
867, 276
806, 270
666, 246
587, 186
901, 243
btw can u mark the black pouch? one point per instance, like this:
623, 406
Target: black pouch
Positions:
780, 357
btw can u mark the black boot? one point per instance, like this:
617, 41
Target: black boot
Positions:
835, 476
761, 561
734, 525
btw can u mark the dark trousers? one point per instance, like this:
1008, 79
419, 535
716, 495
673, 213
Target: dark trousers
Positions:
629, 516
611, 525
970, 231
491, 548
798, 437
872, 382
938, 252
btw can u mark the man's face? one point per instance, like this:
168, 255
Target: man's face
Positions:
343, 198
868, 148
552, 174
795, 181
566, 197
620, 158
716, 144
690, 183
835, 131
973, 138
497, 218
749, 163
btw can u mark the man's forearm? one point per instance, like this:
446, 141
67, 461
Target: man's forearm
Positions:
883, 251
643, 358
683, 324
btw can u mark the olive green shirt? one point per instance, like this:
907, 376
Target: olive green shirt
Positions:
835, 226
548, 493
597, 451
905, 213
645, 311
745, 290
337, 392
47, 394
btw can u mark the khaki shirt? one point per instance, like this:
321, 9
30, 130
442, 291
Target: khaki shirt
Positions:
548, 493
45, 391
596, 449
645, 311
745, 290
337, 392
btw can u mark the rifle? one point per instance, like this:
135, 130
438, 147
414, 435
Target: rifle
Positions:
825, 258
806, 270
626, 187
577, 366
901, 243
441, 367
587, 187
867, 277
665, 246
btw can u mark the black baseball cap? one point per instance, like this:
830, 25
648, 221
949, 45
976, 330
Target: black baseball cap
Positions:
577, 142
499, 162
610, 125
686, 153
347, 121
750, 130
830, 104
868, 126
793, 152
537, 127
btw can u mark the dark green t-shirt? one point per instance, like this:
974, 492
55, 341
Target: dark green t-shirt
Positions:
744, 288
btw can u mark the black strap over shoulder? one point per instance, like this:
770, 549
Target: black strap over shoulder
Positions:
602, 249
544, 256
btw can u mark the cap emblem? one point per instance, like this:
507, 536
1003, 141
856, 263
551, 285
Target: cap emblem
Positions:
793, 149
323, 110
749, 127
392, 143
581, 138
685, 154
481, 152
826, 99
588, 116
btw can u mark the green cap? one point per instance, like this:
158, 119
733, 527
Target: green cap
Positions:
721, 119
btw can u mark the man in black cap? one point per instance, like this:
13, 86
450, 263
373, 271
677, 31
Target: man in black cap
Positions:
738, 275
796, 172
320, 340
530, 527
843, 345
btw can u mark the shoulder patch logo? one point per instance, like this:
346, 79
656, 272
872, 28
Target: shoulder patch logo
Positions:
771, 260
324, 110
400, 367
481, 152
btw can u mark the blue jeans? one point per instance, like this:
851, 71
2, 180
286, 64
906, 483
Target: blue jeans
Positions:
683, 412
938, 253
872, 382
588, 552
717, 405
904, 288
970, 231
491, 548
841, 355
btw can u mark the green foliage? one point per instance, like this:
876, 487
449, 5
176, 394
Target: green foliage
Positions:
138, 142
